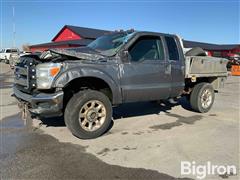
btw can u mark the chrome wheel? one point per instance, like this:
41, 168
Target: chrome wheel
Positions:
206, 98
92, 115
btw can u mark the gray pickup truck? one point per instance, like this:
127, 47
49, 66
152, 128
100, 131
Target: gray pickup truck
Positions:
127, 66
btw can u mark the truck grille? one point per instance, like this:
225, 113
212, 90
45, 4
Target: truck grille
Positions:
21, 77
25, 75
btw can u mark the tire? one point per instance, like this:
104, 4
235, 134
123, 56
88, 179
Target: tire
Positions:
197, 51
202, 97
6, 61
82, 116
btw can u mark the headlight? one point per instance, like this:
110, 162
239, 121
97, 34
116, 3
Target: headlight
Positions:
45, 74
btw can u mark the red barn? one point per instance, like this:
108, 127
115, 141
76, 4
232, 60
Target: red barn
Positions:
70, 36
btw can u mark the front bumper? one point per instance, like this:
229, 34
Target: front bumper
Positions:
43, 104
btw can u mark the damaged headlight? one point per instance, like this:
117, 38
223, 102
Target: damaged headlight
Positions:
45, 74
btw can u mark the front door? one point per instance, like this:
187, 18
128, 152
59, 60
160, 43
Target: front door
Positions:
145, 76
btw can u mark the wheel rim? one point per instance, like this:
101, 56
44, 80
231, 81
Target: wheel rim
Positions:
92, 115
206, 98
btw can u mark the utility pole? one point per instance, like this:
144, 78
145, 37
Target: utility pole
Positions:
14, 28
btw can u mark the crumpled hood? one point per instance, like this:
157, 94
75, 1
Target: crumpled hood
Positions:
84, 53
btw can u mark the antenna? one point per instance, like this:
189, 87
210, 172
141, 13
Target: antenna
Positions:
14, 28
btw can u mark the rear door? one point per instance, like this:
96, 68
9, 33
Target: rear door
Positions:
144, 77
175, 62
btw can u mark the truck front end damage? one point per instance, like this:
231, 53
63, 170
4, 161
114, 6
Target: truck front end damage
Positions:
46, 103
34, 77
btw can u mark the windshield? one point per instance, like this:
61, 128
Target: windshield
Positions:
110, 44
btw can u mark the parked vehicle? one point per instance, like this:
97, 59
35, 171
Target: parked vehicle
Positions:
5, 54
23, 53
13, 60
84, 83
233, 59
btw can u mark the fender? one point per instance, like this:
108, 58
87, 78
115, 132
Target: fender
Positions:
89, 71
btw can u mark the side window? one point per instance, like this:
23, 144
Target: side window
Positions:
146, 48
8, 51
172, 48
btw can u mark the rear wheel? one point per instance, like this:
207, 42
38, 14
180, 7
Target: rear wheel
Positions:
88, 114
202, 97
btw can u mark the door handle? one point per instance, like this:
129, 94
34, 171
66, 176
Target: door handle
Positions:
168, 68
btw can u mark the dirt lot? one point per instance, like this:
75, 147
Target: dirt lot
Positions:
147, 140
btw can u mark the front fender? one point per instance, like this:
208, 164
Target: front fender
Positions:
77, 72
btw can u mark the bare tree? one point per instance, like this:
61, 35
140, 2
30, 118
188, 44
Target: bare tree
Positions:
25, 47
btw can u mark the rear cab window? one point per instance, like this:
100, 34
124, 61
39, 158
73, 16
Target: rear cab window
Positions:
172, 48
14, 50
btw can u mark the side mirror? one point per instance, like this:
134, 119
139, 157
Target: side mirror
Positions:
125, 56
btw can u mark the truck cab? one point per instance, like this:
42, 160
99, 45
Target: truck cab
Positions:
154, 65
7, 53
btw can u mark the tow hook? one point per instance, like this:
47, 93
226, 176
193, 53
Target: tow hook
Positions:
24, 113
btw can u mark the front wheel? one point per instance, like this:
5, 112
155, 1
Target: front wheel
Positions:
88, 114
202, 97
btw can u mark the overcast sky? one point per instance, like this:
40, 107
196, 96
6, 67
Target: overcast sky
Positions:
213, 21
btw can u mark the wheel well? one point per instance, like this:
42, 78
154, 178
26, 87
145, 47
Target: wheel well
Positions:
189, 84
79, 84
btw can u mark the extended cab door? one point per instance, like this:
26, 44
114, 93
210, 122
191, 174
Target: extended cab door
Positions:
144, 76
176, 65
